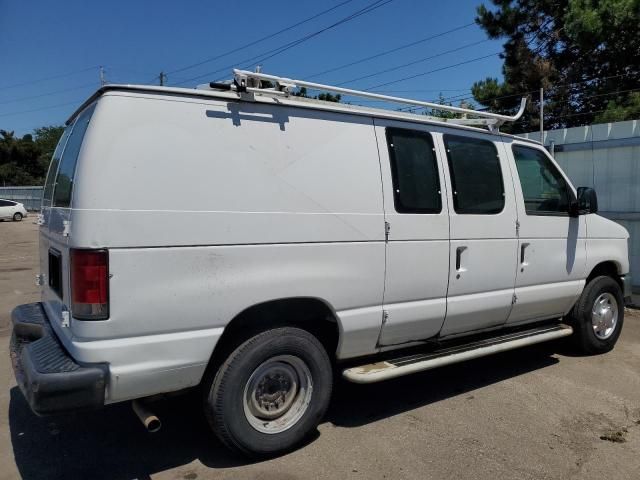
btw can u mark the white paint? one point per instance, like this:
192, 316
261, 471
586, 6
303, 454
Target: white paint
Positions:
589, 160
481, 292
209, 206
417, 261
8, 208
548, 280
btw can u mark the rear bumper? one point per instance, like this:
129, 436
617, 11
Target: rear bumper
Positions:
50, 379
626, 288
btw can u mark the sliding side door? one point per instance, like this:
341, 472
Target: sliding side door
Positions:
483, 233
417, 253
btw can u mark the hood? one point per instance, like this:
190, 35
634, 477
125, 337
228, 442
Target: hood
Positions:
600, 227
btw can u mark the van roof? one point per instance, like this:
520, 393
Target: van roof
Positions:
292, 100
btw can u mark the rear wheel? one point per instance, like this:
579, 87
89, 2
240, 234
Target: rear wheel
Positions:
270, 393
17, 217
598, 316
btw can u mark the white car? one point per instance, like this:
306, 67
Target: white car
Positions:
10, 210
252, 243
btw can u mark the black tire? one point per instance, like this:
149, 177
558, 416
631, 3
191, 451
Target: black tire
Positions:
225, 396
584, 337
17, 217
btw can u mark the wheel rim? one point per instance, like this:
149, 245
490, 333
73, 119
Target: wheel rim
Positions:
604, 316
277, 394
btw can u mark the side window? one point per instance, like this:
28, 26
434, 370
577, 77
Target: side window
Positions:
476, 177
544, 189
64, 180
4, 203
414, 171
47, 196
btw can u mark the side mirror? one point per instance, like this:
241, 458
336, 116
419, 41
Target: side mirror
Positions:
587, 201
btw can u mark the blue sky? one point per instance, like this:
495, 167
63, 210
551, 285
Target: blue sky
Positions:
135, 40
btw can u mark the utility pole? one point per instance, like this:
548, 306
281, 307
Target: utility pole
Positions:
102, 79
542, 115
163, 78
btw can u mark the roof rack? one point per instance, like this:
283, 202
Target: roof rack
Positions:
246, 81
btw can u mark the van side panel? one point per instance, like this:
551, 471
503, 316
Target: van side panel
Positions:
227, 173
208, 208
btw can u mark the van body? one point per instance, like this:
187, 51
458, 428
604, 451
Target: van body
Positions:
174, 220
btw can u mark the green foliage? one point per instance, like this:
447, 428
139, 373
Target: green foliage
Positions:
327, 97
24, 161
626, 109
434, 112
584, 53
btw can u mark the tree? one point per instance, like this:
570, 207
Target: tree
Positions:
327, 97
626, 110
24, 161
584, 53
434, 112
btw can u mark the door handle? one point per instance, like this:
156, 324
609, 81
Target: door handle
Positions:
459, 251
523, 247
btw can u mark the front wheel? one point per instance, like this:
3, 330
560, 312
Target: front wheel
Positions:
598, 316
270, 393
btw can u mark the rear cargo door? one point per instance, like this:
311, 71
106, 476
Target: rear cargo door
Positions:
57, 215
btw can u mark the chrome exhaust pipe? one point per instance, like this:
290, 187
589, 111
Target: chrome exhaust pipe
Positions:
148, 419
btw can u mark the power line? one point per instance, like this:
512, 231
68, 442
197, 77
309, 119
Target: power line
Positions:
31, 82
521, 94
553, 95
77, 102
92, 84
286, 29
387, 52
370, 8
425, 90
424, 59
278, 50
410, 77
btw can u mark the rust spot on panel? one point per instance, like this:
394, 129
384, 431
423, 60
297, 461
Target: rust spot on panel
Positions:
372, 367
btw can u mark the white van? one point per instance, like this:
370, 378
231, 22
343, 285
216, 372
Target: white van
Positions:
252, 243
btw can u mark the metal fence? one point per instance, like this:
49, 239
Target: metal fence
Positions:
31, 197
605, 157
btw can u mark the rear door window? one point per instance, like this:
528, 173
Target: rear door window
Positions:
64, 179
414, 170
47, 197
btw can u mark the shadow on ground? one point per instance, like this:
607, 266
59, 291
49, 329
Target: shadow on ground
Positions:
111, 443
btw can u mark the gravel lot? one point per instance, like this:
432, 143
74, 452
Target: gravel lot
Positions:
535, 413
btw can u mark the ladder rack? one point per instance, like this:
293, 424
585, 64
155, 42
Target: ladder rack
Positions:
246, 81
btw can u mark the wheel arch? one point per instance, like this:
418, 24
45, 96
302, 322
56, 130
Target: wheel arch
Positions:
608, 268
312, 314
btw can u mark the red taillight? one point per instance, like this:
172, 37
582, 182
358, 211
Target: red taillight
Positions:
90, 284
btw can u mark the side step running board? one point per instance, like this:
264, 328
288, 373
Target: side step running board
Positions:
386, 369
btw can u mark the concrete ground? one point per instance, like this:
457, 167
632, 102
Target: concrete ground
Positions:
535, 413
